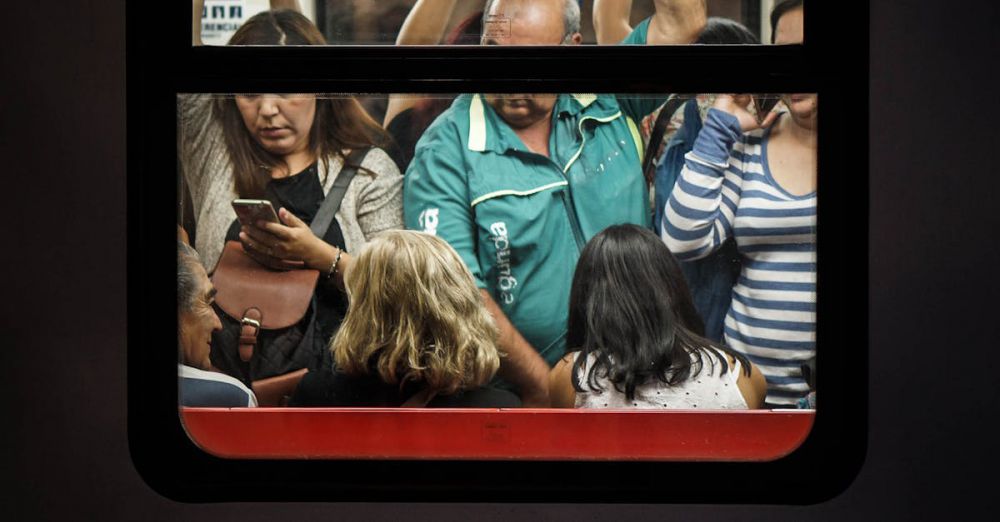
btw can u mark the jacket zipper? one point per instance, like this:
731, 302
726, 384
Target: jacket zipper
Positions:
567, 197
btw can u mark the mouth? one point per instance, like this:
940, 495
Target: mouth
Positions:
274, 132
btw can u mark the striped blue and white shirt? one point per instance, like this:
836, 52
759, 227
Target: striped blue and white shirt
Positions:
726, 189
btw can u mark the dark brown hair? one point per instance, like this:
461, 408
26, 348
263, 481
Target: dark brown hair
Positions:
340, 122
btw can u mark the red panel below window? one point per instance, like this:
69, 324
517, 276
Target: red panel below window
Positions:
497, 434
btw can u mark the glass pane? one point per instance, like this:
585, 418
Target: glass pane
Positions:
480, 244
509, 22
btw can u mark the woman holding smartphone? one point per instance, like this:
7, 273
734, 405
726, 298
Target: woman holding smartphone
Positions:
755, 180
289, 149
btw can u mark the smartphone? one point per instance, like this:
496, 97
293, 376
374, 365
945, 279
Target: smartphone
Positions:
250, 211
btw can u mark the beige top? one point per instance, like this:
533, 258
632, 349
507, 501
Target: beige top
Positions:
371, 204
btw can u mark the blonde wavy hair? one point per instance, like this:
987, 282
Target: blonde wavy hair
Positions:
415, 315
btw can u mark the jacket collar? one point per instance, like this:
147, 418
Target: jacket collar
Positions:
488, 132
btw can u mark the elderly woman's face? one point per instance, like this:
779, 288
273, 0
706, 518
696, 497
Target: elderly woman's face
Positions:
279, 123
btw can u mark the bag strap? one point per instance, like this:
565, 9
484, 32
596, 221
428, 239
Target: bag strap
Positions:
331, 203
659, 129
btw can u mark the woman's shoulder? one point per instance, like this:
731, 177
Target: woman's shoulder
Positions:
380, 162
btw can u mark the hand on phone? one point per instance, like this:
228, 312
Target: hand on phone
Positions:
739, 106
291, 241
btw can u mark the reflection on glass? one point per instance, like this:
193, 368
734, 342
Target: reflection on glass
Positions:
516, 22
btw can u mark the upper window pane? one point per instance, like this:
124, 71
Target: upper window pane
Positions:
506, 22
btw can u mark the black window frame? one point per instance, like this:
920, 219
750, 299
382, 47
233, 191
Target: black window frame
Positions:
161, 63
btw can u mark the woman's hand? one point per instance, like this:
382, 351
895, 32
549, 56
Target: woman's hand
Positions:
739, 106
291, 245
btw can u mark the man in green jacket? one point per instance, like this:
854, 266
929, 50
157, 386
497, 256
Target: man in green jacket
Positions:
518, 183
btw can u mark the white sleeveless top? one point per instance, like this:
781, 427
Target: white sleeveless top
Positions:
709, 390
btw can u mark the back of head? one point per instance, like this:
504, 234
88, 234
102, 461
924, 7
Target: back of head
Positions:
187, 277
720, 30
779, 10
278, 27
630, 308
415, 315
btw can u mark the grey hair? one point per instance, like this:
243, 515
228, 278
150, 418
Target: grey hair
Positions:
571, 18
187, 283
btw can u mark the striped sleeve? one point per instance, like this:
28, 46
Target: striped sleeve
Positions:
698, 216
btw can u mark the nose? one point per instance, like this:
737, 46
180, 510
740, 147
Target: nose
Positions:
216, 323
269, 106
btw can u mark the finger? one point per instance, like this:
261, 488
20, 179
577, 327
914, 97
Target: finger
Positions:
254, 244
260, 235
273, 262
769, 119
290, 219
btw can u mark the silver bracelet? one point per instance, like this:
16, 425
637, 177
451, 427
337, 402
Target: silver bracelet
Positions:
333, 267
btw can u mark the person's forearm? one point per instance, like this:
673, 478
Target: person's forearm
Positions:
521, 364
426, 22
677, 21
286, 4
611, 20
197, 7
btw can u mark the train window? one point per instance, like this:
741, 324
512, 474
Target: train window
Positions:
463, 22
491, 276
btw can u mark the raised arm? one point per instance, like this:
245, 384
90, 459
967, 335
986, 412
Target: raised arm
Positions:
426, 22
611, 20
197, 6
286, 4
424, 25
699, 214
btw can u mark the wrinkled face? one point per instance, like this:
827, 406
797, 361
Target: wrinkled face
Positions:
789, 29
522, 110
523, 22
279, 123
198, 323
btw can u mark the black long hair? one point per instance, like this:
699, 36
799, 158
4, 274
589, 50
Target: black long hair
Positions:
630, 307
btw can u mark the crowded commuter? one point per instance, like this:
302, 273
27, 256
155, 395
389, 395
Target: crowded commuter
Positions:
754, 179
198, 385
218, 156
417, 333
710, 279
517, 183
633, 332
293, 150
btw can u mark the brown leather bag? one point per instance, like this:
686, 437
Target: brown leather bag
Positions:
261, 299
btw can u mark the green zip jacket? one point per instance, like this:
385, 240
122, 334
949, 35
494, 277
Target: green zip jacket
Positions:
519, 219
